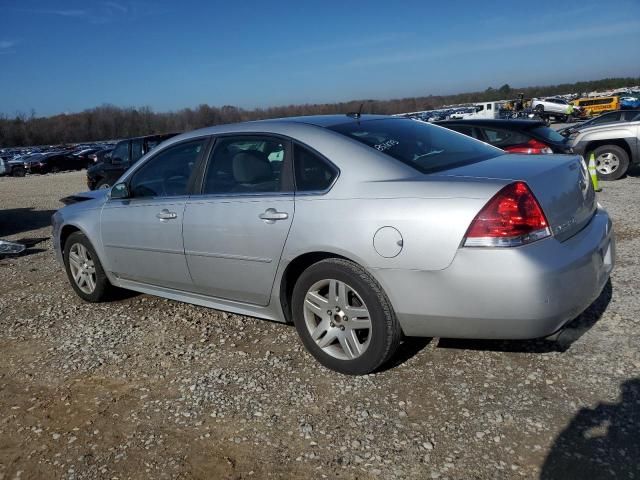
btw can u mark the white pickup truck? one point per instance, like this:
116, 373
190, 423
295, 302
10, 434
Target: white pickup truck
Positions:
482, 110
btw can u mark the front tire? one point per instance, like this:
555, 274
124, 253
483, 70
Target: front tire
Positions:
84, 269
612, 162
343, 317
103, 184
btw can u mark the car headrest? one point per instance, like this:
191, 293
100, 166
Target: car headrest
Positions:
251, 167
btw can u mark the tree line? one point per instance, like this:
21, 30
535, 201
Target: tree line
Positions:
110, 122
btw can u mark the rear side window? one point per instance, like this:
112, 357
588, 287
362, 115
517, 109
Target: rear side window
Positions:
313, 173
425, 147
464, 129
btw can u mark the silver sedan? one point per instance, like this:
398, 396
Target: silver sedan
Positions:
358, 229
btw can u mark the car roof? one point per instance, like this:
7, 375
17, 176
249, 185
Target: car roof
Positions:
487, 122
327, 120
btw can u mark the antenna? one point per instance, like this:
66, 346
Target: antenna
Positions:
357, 114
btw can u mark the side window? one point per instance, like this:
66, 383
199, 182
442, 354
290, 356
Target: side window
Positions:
121, 152
312, 172
245, 165
504, 138
167, 174
136, 149
488, 106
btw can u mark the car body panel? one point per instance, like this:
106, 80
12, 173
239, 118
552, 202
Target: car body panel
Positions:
628, 132
236, 255
436, 286
139, 246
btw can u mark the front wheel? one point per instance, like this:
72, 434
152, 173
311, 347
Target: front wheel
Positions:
344, 318
84, 269
612, 162
103, 184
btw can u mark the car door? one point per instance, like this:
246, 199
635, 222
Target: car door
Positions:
235, 229
142, 234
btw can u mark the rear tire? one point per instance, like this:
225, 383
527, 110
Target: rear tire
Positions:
353, 330
612, 162
84, 269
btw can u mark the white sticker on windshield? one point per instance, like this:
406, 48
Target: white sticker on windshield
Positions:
386, 145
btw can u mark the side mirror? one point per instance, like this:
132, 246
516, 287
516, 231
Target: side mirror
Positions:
120, 191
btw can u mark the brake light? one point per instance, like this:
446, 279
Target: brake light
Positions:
533, 146
511, 218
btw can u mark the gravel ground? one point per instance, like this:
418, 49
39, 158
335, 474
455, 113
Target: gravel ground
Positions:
148, 388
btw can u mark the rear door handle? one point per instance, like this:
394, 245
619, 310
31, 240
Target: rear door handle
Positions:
166, 215
270, 215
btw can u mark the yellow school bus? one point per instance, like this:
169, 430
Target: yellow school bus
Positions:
597, 105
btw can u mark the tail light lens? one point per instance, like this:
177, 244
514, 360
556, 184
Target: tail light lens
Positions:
533, 146
511, 218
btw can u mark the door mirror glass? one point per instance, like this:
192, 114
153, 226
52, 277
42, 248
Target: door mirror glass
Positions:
120, 190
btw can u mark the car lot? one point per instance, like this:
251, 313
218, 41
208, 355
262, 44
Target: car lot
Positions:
144, 386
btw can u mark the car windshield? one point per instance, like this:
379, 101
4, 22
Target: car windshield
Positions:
427, 148
548, 134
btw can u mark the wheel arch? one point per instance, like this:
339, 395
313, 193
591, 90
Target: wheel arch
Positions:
294, 269
618, 142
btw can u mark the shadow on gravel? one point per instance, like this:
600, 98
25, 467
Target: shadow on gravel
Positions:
409, 348
572, 332
601, 442
18, 220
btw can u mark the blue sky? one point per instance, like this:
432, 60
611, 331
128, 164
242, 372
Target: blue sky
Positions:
69, 55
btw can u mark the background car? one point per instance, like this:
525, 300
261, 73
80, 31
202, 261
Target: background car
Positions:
615, 146
55, 162
125, 154
358, 229
610, 117
513, 136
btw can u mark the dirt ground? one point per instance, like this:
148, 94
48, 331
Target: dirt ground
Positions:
142, 387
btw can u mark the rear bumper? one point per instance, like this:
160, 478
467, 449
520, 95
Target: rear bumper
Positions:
505, 293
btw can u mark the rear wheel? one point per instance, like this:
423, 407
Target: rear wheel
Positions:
55, 169
612, 162
84, 269
344, 318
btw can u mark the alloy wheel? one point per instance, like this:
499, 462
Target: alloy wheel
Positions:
82, 268
607, 163
337, 319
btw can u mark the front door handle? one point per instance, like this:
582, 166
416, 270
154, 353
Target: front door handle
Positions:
166, 215
270, 215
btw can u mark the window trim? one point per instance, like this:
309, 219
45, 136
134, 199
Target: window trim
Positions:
190, 183
287, 187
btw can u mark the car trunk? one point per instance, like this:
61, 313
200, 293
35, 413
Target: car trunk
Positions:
561, 184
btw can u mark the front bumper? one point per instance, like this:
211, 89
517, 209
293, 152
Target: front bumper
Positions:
505, 293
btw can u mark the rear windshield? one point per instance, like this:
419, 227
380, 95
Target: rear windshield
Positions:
549, 134
427, 148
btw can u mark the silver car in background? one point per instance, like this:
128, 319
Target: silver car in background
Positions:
358, 229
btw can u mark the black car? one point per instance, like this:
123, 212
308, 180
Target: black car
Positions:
609, 117
55, 162
513, 136
124, 155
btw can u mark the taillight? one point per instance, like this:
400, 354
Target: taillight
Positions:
533, 146
511, 218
